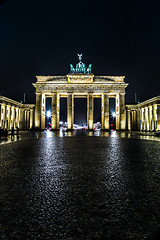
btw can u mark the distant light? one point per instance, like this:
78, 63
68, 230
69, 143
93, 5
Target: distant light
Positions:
113, 114
48, 114
60, 122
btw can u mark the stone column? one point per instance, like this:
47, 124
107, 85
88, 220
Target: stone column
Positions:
155, 118
149, 118
18, 117
3, 115
22, 119
90, 111
70, 111
0, 116
135, 120
146, 119
25, 119
132, 120
143, 119
102, 111
117, 112
152, 119
122, 112
28, 119
129, 119
31, 118
158, 117
9, 117
54, 111
138, 120
106, 112
43, 110
6, 116
13, 117
38, 111
58, 110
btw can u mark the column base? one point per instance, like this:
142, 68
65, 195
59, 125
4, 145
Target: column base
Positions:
70, 130
90, 130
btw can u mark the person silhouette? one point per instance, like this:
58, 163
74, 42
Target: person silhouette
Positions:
12, 133
17, 133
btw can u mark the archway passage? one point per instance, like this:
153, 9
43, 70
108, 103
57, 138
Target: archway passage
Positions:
97, 110
80, 111
112, 113
63, 109
48, 112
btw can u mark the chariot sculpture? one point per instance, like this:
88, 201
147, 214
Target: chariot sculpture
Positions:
80, 67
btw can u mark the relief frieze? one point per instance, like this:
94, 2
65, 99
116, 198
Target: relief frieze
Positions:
76, 88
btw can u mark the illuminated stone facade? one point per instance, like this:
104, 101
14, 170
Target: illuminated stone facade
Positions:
80, 86
15, 114
144, 116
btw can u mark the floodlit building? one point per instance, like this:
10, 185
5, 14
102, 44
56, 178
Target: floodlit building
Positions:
81, 83
144, 116
15, 114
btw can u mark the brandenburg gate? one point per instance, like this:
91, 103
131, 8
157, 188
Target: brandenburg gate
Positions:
80, 83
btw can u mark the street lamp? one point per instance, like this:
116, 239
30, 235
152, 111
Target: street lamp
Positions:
113, 114
48, 114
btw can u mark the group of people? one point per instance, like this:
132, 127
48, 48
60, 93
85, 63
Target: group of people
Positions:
4, 132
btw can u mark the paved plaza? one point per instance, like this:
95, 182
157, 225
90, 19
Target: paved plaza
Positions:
77, 187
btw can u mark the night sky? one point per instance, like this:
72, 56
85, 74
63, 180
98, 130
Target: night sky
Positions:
44, 37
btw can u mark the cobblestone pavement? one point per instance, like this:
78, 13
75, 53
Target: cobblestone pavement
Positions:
82, 187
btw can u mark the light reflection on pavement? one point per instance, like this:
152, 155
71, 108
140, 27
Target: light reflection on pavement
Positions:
25, 135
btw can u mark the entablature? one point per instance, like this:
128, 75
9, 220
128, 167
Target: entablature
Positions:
12, 103
81, 87
80, 78
8, 101
151, 101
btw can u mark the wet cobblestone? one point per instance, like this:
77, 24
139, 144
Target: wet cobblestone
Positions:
79, 188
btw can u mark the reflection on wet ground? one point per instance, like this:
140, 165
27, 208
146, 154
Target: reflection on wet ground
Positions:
47, 133
79, 188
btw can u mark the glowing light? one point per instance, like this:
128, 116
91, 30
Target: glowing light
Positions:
48, 114
61, 122
113, 114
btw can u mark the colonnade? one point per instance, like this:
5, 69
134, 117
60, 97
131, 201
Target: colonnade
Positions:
14, 114
150, 118
55, 115
144, 116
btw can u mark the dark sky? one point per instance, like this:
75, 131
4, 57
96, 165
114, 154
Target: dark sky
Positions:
44, 37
